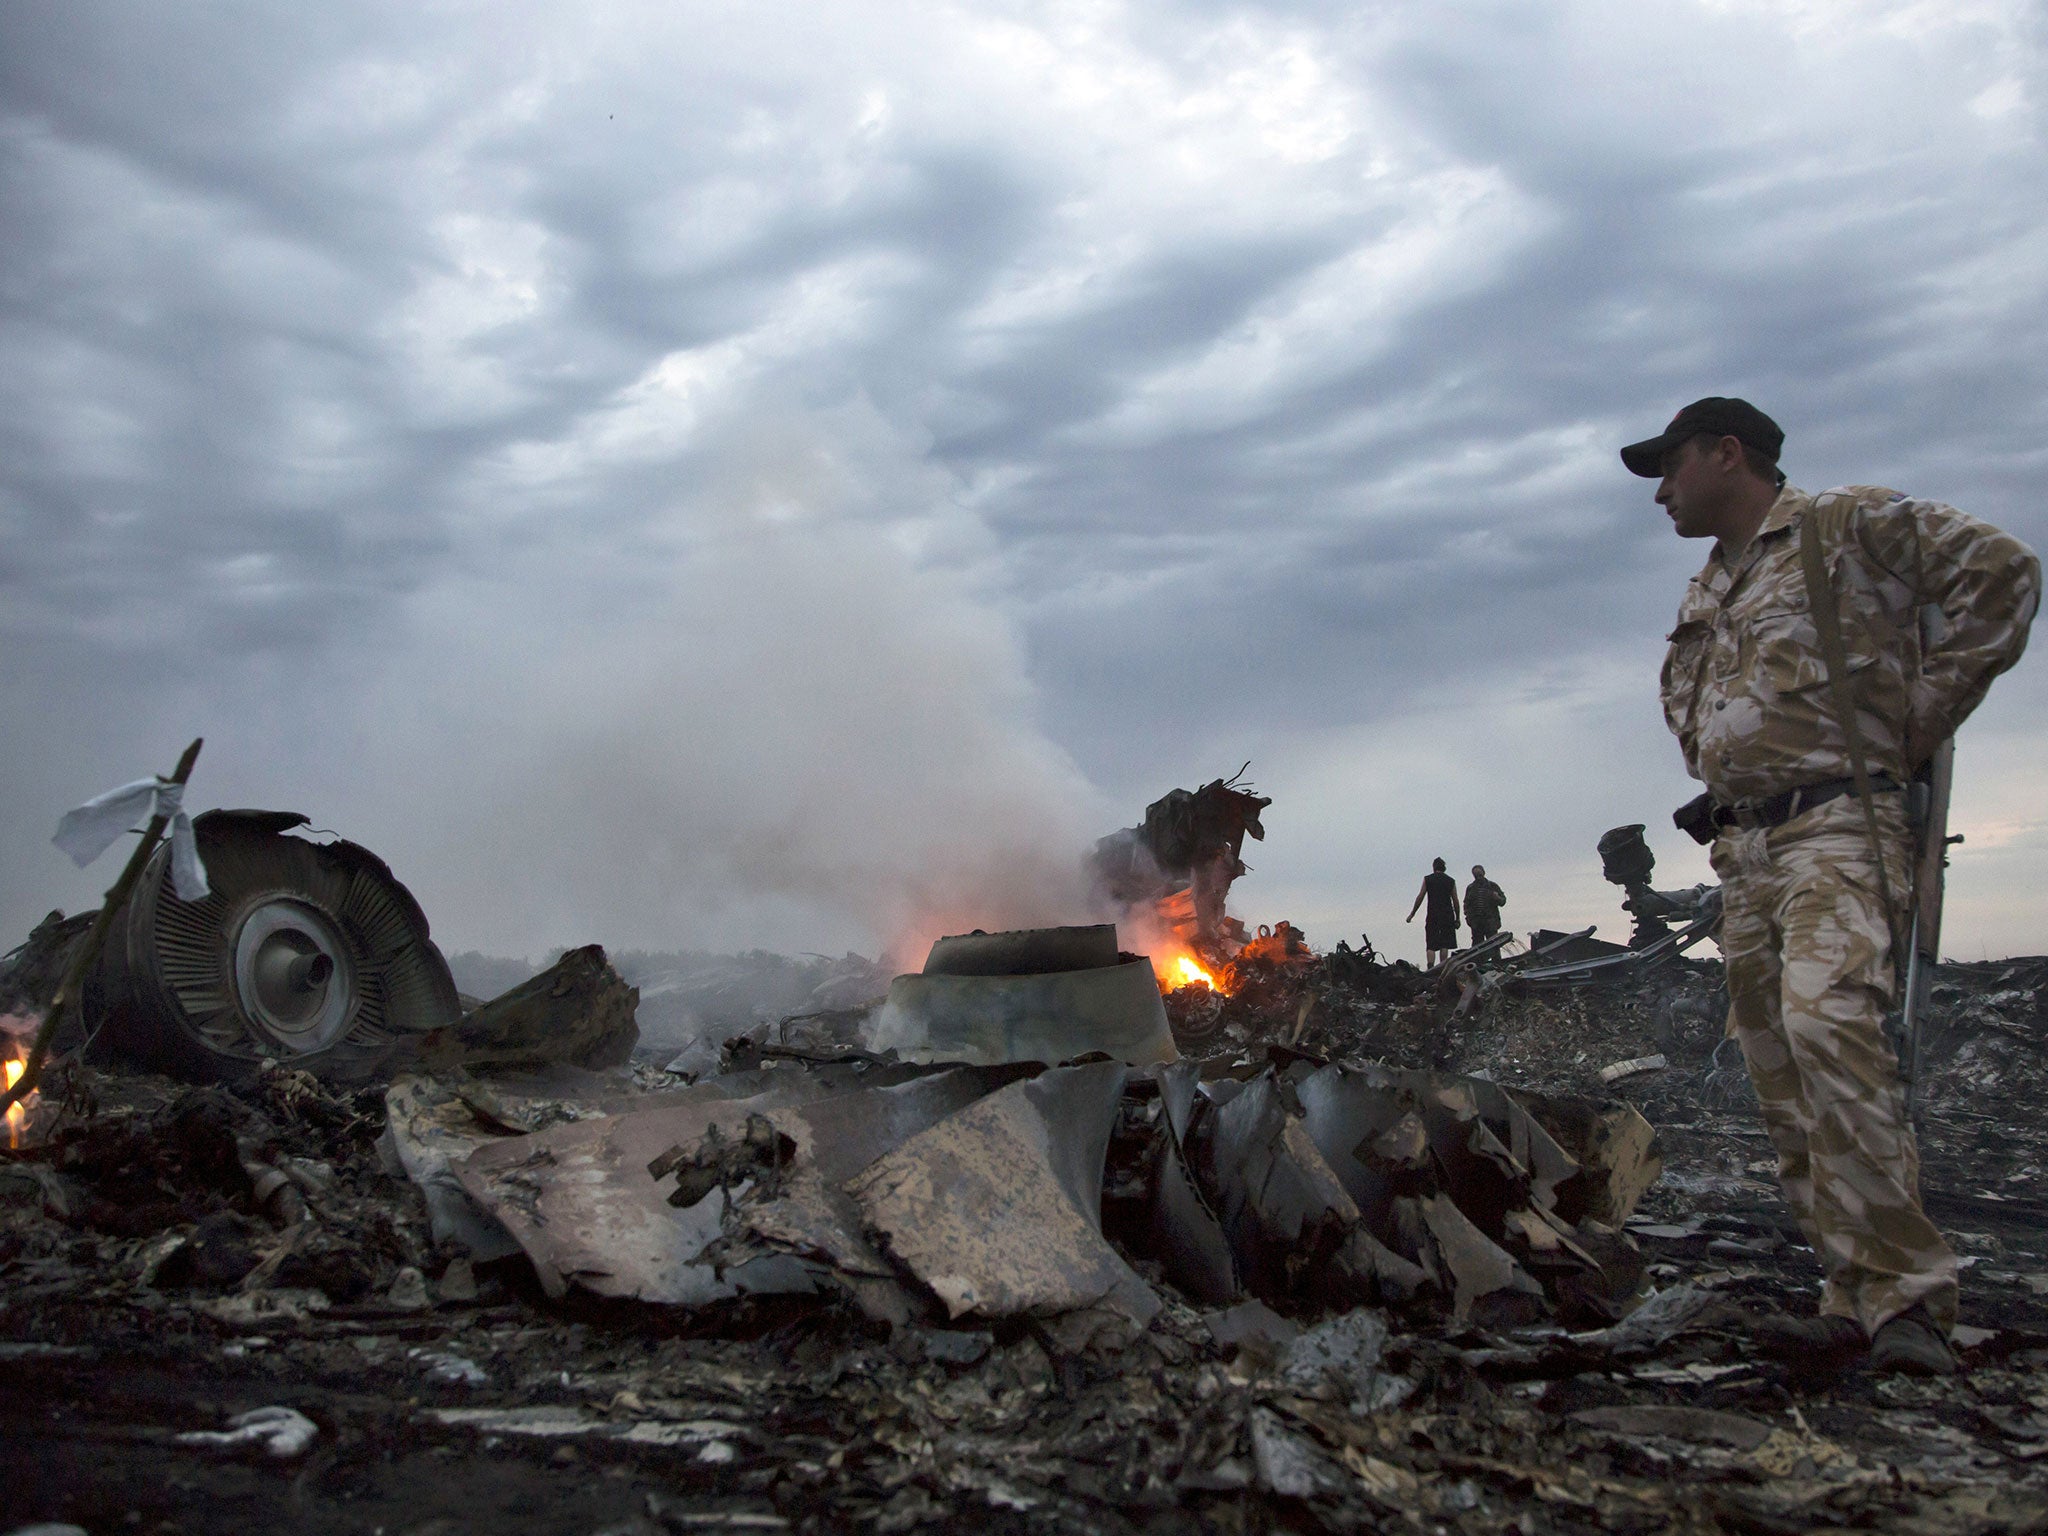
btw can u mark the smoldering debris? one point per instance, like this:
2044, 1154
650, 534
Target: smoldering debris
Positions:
1047, 994
691, 999
1178, 864
1367, 1261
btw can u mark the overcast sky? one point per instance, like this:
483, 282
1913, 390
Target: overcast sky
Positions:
719, 475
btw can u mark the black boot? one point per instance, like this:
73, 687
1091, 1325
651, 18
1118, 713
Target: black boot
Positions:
1821, 1346
1911, 1345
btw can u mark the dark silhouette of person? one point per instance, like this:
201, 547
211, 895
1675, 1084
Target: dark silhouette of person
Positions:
1483, 901
1440, 923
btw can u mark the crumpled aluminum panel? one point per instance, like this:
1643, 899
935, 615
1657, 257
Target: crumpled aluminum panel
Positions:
1183, 1230
999, 1208
580, 1201
1337, 1181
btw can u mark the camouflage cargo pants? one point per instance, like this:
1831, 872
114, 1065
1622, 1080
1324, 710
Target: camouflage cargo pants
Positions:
1809, 984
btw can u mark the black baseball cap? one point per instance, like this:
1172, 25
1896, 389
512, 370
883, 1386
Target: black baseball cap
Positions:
1716, 415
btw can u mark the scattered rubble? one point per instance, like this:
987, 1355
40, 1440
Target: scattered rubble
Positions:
689, 999
1371, 1247
281, 1432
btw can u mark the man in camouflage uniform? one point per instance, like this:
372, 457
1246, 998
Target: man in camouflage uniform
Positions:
1933, 604
1483, 901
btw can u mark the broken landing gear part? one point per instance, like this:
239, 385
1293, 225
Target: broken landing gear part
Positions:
1626, 861
309, 953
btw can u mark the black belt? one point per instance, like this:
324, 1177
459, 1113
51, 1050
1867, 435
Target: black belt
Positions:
1776, 810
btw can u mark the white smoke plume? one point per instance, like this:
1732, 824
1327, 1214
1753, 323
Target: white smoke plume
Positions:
796, 722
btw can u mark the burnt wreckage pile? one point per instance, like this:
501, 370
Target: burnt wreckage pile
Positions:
976, 1185
992, 1249
1181, 861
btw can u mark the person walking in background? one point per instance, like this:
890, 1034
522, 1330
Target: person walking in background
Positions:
1440, 922
1483, 901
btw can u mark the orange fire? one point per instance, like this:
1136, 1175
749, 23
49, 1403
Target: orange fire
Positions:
1179, 968
17, 1114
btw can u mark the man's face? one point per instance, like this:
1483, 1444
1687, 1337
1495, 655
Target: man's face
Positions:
1694, 490
1478, 872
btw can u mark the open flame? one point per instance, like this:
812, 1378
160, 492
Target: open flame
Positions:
17, 1114
1179, 968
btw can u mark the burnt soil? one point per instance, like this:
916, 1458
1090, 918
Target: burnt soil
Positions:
115, 1336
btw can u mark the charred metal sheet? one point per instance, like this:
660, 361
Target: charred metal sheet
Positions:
1614, 1146
1480, 1132
580, 1199
1484, 1275
1293, 1465
579, 1010
1490, 1153
429, 1129
807, 1213
1365, 1267
1185, 1232
1283, 1208
1369, 1135
841, 1136
1051, 1017
998, 1209
433, 1123
1478, 1166
1341, 1357
1675, 1421
1506, 1174
1340, 1184
1365, 1137
1255, 1330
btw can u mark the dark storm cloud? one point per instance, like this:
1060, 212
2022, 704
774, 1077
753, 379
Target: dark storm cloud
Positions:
1871, 301
1224, 379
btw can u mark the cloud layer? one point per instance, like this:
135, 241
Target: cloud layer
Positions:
705, 475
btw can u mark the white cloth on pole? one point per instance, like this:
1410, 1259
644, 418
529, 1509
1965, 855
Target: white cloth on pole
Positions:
89, 830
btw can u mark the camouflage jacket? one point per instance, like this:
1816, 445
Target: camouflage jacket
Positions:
1483, 901
1745, 683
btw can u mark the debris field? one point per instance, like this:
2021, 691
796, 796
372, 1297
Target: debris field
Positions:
1351, 1247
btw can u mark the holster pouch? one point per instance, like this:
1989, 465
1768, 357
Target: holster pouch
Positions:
1695, 818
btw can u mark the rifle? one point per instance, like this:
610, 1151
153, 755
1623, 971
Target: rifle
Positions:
1927, 815
1926, 803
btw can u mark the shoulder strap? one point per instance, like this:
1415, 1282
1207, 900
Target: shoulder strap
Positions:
1827, 618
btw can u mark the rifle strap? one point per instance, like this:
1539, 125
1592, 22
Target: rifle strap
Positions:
1820, 596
